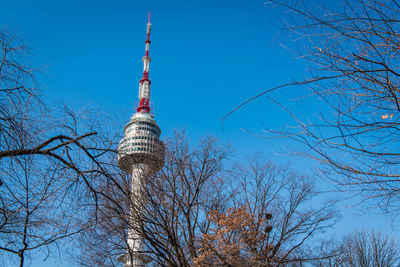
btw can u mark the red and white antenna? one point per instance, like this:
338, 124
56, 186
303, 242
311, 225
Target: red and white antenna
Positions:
145, 83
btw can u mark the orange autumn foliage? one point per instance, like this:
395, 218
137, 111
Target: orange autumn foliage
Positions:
232, 239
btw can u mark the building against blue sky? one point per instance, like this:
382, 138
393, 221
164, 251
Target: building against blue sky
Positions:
207, 57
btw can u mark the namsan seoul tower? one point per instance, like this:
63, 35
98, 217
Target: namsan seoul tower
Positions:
141, 153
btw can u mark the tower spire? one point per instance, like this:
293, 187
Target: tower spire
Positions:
145, 83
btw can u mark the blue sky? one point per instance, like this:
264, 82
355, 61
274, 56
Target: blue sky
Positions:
207, 57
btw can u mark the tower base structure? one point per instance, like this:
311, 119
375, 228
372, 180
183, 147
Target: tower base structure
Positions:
134, 259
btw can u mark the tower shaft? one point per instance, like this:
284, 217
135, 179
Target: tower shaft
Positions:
135, 256
138, 173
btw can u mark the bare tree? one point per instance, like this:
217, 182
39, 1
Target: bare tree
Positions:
365, 249
106, 238
272, 222
179, 197
370, 249
353, 52
51, 160
37, 207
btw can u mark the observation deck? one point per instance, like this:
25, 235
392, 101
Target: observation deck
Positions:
141, 144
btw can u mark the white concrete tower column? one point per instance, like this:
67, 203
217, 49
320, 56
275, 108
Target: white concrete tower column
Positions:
135, 256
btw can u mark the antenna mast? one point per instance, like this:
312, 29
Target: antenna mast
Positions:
145, 83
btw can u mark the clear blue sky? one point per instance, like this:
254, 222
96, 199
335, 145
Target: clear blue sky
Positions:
208, 57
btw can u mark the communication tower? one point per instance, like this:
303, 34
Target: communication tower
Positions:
141, 153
